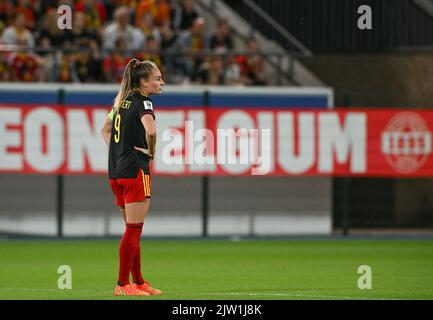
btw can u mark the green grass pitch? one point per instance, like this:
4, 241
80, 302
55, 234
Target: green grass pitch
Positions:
223, 269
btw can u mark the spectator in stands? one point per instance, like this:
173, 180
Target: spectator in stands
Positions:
110, 6
94, 12
80, 36
159, 9
4, 67
4, 70
65, 68
191, 42
18, 33
252, 65
47, 56
185, 15
168, 37
24, 66
152, 52
84, 50
121, 27
50, 31
232, 72
28, 9
147, 26
114, 65
87, 67
211, 72
6, 14
221, 40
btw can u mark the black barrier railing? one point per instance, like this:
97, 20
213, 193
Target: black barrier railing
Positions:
233, 67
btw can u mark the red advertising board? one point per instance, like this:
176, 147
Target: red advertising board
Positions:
227, 141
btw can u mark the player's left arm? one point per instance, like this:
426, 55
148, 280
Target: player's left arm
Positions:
147, 118
148, 123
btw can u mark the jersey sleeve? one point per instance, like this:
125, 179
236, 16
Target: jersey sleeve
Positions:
147, 108
111, 114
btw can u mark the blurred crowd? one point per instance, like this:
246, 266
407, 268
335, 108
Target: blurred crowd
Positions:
106, 34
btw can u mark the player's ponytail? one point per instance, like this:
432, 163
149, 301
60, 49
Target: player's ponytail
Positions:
125, 85
134, 71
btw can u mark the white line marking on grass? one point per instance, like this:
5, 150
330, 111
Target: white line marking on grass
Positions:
261, 294
278, 294
49, 290
168, 293
31, 290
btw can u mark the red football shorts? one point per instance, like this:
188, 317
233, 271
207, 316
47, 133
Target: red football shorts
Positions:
131, 190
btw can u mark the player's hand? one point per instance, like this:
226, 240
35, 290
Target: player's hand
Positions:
145, 151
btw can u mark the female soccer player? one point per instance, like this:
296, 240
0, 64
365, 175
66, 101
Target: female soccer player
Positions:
129, 131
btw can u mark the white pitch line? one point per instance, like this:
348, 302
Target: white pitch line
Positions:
269, 294
48, 290
300, 295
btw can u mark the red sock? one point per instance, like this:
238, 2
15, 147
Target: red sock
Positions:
127, 250
136, 268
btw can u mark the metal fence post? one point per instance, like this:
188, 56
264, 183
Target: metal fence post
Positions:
59, 204
205, 204
205, 183
345, 201
60, 186
345, 206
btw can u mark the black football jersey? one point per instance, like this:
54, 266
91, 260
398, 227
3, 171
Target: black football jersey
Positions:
127, 131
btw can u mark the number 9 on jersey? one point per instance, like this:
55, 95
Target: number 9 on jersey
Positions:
117, 128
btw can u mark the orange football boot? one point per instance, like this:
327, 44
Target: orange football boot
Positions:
145, 287
129, 290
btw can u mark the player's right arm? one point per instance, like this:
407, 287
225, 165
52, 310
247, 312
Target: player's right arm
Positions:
106, 128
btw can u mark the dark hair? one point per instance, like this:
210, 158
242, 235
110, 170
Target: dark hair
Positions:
134, 71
